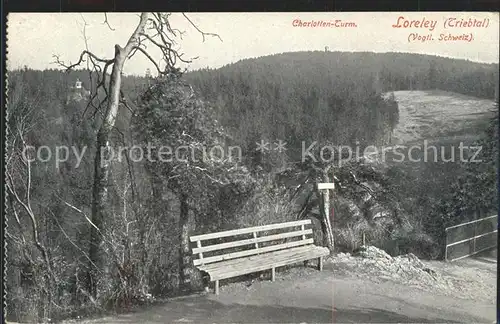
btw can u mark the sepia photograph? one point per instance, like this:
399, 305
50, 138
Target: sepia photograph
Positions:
299, 167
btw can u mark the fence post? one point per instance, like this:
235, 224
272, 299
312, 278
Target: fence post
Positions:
446, 245
474, 241
469, 239
478, 216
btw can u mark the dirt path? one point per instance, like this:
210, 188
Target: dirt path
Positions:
302, 295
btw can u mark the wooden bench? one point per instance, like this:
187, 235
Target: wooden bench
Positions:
258, 249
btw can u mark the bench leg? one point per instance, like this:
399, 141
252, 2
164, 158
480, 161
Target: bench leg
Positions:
320, 263
306, 263
273, 274
216, 287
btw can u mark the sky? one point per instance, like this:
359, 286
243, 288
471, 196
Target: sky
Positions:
33, 38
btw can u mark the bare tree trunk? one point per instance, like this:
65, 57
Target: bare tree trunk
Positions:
327, 214
159, 190
325, 225
324, 209
102, 161
190, 278
156, 213
102, 164
326, 200
184, 258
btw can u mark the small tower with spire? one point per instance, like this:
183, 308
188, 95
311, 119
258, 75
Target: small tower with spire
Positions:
77, 92
148, 76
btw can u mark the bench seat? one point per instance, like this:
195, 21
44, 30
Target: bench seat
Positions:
255, 249
266, 261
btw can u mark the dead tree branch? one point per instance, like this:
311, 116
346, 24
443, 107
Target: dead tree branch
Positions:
106, 22
203, 34
24, 200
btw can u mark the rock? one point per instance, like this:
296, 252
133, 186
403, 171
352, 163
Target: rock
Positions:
430, 271
372, 252
343, 255
411, 259
377, 263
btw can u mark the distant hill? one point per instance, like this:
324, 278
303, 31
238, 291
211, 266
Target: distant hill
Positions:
333, 97
396, 71
329, 96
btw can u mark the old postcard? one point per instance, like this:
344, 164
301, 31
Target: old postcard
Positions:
252, 167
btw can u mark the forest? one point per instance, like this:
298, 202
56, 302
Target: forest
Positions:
334, 98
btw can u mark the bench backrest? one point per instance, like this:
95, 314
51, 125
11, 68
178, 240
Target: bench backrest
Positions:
250, 241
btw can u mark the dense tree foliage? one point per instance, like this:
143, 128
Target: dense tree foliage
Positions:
187, 155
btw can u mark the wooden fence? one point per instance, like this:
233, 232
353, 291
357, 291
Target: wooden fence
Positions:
470, 238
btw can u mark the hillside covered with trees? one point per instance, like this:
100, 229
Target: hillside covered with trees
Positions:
330, 96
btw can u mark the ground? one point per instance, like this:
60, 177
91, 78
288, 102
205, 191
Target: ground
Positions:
337, 295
